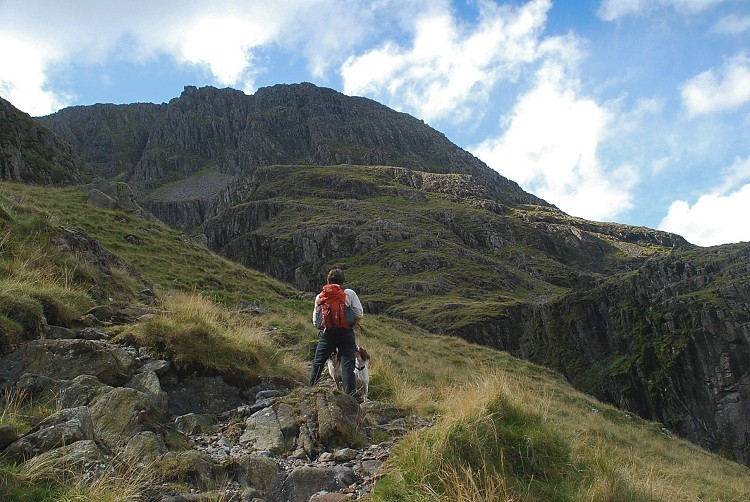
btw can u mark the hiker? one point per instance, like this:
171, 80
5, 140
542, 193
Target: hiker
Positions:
336, 335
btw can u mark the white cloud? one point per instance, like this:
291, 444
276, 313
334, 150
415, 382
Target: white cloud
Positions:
734, 176
732, 25
223, 37
219, 37
611, 10
325, 32
223, 44
22, 78
449, 68
724, 89
712, 220
550, 143
719, 216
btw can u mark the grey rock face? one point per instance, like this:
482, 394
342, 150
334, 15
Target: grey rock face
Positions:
66, 359
303, 482
150, 145
671, 357
63, 428
31, 153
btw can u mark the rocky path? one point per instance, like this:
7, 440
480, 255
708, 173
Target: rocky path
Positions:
344, 473
196, 436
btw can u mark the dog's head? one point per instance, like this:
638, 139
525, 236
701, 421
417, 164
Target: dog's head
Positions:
363, 353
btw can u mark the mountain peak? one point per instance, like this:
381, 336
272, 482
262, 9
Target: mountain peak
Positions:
234, 133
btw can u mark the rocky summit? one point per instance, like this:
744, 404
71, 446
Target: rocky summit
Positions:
297, 178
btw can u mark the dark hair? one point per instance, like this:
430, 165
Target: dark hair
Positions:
336, 276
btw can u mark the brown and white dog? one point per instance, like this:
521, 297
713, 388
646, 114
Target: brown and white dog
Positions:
361, 372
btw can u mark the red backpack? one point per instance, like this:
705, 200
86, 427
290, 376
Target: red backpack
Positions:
332, 311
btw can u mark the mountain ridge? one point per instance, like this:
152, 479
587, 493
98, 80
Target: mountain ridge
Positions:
234, 133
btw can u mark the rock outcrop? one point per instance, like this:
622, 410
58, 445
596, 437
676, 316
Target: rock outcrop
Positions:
120, 410
31, 153
211, 134
670, 341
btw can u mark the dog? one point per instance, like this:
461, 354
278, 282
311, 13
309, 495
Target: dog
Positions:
361, 372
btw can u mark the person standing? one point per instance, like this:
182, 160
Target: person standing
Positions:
341, 338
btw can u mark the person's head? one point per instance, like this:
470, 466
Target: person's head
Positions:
335, 276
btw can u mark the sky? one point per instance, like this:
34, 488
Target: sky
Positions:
627, 111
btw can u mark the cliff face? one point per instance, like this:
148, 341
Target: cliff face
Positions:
31, 153
670, 341
296, 178
228, 132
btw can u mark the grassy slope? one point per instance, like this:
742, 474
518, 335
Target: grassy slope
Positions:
509, 431
437, 243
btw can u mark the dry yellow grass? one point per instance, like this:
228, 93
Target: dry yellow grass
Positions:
611, 455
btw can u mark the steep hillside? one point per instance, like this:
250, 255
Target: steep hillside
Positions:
31, 153
155, 403
633, 316
296, 178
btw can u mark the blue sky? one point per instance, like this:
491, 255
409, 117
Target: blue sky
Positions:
632, 111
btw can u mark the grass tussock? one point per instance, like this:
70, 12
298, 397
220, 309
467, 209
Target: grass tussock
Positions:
194, 332
20, 412
56, 479
509, 437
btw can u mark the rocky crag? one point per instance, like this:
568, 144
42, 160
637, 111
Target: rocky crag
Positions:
219, 134
296, 178
121, 411
31, 153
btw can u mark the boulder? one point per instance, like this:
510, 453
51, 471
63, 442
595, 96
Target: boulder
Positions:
122, 413
190, 466
330, 497
37, 388
145, 448
79, 391
59, 332
263, 432
100, 199
311, 418
148, 383
117, 313
255, 471
305, 481
194, 423
7, 436
85, 456
339, 421
62, 428
380, 413
66, 359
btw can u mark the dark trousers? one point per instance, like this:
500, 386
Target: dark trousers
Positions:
330, 340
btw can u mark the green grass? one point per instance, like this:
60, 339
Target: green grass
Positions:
505, 429
196, 334
162, 255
